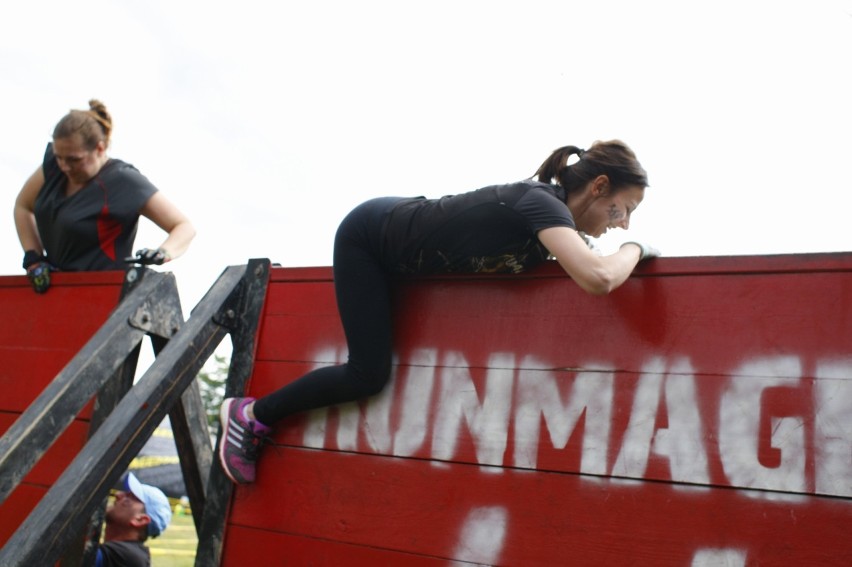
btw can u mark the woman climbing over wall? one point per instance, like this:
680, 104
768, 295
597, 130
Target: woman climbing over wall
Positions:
503, 228
80, 210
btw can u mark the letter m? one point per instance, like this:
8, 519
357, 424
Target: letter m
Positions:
539, 395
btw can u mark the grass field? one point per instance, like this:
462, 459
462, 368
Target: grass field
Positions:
176, 547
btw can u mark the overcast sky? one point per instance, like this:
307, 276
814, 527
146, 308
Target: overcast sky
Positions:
265, 122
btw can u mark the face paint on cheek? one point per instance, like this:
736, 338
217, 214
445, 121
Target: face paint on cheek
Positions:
615, 214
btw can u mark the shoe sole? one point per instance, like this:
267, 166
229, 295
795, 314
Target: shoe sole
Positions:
224, 413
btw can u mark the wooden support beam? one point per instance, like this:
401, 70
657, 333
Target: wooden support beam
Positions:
83, 554
51, 526
244, 339
49, 415
189, 424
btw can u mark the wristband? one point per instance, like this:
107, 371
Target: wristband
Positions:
31, 257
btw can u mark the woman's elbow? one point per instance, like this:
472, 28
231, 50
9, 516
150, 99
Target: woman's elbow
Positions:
184, 230
598, 289
188, 235
596, 277
179, 239
598, 284
190, 231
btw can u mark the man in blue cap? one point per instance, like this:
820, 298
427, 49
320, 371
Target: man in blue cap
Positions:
139, 511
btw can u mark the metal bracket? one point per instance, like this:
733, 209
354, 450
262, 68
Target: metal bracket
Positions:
227, 315
227, 318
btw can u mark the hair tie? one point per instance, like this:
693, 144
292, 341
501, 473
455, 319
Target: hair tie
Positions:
580, 153
98, 118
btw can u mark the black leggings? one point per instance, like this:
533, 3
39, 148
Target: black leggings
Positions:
362, 288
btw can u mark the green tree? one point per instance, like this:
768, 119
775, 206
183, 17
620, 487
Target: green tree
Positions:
211, 382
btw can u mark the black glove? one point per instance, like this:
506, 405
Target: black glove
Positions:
39, 275
148, 256
38, 270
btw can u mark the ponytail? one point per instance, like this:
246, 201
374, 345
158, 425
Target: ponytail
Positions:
556, 163
613, 159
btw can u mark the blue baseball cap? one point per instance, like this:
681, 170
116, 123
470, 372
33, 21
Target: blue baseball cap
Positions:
157, 506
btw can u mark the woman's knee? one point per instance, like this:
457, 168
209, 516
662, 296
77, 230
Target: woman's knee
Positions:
372, 380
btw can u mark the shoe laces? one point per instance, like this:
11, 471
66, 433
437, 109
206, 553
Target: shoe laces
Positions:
252, 443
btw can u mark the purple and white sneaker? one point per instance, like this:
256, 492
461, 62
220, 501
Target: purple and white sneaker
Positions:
241, 439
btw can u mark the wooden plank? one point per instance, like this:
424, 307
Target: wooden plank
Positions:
62, 318
53, 524
244, 328
67, 279
675, 266
16, 507
42, 334
48, 469
247, 546
45, 331
65, 396
698, 415
192, 441
407, 505
695, 320
658, 426
25, 373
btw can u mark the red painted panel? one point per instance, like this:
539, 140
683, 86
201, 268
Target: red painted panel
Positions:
599, 433
58, 456
40, 335
308, 306
513, 517
247, 546
24, 498
20, 366
66, 316
518, 402
700, 317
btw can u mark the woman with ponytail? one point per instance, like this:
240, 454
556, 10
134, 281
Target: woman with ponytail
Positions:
80, 209
502, 228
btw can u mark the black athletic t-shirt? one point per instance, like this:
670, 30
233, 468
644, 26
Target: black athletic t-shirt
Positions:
493, 229
94, 228
123, 554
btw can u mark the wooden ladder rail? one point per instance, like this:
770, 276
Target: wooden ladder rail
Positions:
232, 305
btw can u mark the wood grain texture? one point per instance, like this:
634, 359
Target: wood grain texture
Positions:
39, 335
698, 415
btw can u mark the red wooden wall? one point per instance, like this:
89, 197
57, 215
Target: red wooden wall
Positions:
699, 415
39, 335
